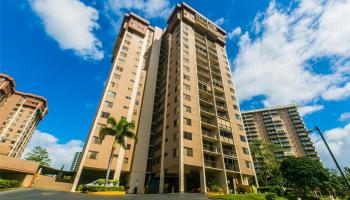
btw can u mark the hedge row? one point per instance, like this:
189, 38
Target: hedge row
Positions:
4, 183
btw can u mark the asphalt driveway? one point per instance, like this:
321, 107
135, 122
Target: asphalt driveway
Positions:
35, 194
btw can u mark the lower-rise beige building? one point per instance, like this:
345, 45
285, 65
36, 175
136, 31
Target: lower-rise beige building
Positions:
282, 126
20, 114
176, 85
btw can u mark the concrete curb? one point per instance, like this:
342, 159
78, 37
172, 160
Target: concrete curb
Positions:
15, 190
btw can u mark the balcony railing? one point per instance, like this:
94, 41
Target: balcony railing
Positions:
209, 134
226, 139
211, 148
228, 152
231, 167
210, 164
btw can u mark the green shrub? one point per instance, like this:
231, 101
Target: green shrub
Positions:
4, 183
248, 196
216, 188
80, 187
102, 188
271, 196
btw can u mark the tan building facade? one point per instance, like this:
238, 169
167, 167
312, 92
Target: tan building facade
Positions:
182, 98
282, 126
20, 115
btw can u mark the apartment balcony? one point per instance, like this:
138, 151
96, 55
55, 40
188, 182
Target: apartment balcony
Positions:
226, 139
207, 111
203, 67
229, 153
210, 135
208, 123
206, 100
220, 96
232, 168
304, 138
211, 164
211, 149
201, 22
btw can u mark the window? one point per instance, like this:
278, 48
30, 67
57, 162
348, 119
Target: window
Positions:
235, 107
248, 164
96, 140
188, 121
175, 123
186, 77
187, 109
245, 150
128, 146
186, 68
175, 136
238, 117
188, 152
243, 139
116, 76
240, 127
92, 155
126, 160
111, 94
127, 42
119, 69
108, 104
105, 114
187, 135
187, 87
175, 152
125, 48
187, 97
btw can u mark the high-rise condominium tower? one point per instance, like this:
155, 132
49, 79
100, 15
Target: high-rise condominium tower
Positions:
20, 113
281, 126
176, 85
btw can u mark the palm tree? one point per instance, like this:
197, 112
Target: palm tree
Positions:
120, 131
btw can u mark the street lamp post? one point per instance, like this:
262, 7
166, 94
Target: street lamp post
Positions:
335, 161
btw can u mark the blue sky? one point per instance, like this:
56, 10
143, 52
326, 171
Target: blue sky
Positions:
281, 52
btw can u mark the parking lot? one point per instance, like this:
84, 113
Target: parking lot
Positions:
34, 194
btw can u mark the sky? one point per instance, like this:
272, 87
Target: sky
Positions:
281, 52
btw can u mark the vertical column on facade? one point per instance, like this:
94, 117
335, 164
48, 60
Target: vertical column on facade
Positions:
95, 122
161, 176
138, 171
12, 119
223, 178
121, 153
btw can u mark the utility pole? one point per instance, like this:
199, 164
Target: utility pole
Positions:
335, 161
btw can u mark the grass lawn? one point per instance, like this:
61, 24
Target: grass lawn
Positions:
243, 197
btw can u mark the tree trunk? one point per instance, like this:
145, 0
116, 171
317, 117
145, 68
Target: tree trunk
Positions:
109, 165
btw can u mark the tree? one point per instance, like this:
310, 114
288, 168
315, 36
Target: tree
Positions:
120, 131
39, 154
304, 174
263, 154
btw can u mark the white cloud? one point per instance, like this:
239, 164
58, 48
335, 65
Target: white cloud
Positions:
219, 21
145, 8
274, 60
71, 23
306, 110
338, 140
344, 116
60, 153
234, 33
337, 93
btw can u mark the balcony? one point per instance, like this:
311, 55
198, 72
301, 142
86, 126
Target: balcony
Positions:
211, 164
226, 139
207, 111
208, 121
211, 148
209, 135
229, 153
231, 167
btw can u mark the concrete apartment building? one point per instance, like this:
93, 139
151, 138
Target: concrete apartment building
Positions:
20, 115
282, 126
176, 85
75, 162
